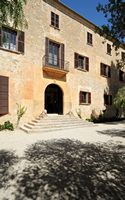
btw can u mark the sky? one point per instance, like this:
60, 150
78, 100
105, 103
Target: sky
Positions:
87, 8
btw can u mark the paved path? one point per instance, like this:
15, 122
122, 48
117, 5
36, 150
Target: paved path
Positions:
18, 140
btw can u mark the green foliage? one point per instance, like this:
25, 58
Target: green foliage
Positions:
7, 126
119, 100
12, 10
20, 112
114, 11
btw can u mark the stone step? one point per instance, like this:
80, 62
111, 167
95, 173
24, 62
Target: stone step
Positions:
53, 123
60, 124
53, 129
57, 125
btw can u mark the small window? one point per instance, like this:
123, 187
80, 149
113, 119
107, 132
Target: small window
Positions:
89, 38
107, 100
109, 49
121, 76
85, 97
81, 62
105, 70
12, 40
123, 56
54, 20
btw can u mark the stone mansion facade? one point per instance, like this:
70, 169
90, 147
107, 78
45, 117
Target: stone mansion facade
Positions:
59, 63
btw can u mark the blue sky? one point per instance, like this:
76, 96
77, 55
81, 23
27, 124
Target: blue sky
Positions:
87, 8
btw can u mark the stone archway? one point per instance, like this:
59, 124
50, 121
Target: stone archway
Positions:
54, 99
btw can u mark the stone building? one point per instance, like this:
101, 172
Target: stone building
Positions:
60, 63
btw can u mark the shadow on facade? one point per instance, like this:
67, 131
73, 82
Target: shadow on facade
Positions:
66, 169
110, 112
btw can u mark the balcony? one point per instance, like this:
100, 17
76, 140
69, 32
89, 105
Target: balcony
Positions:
55, 67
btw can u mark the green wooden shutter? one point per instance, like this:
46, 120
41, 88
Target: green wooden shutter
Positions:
21, 39
4, 93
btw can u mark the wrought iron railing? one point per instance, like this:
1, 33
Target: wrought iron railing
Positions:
55, 63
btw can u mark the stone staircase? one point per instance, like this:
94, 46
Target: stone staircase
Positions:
54, 122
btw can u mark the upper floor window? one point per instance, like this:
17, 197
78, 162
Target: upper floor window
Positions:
54, 20
105, 70
107, 99
123, 56
84, 97
54, 53
121, 76
81, 62
11, 39
109, 49
89, 38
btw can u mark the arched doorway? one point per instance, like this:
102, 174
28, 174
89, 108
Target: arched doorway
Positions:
54, 99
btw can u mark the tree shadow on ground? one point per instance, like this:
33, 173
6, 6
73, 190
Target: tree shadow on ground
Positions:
114, 133
70, 170
7, 159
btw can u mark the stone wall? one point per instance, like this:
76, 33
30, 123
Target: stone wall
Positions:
27, 81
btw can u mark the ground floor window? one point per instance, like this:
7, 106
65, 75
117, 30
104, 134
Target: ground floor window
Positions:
84, 97
107, 99
4, 95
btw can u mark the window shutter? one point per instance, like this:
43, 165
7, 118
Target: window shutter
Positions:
80, 97
101, 69
109, 71
57, 21
0, 36
62, 56
21, 38
76, 58
87, 63
4, 84
110, 103
89, 97
47, 47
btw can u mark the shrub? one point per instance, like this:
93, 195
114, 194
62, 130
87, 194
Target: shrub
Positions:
7, 126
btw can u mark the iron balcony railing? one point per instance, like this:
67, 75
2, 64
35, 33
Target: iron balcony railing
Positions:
49, 61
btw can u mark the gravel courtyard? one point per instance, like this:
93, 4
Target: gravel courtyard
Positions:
76, 164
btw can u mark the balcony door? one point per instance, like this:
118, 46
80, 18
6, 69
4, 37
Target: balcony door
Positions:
54, 99
53, 54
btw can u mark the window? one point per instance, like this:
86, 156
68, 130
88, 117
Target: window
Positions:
81, 62
4, 82
84, 97
89, 38
107, 99
109, 49
121, 76
123, 56
54, 20
105, 70
11, 39
54, 54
